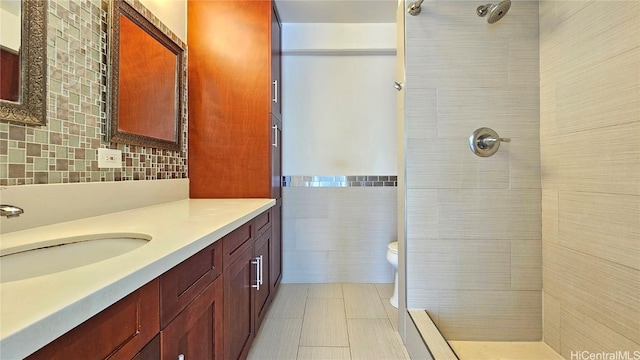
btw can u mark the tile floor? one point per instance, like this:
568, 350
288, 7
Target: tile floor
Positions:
330, 321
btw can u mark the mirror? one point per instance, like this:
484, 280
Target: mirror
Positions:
146, 80
23, 64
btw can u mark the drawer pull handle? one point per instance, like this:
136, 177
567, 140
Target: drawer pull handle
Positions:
275, 136
181, 357
275, 91
256, 262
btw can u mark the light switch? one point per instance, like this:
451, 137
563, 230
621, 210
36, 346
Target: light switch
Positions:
109, 159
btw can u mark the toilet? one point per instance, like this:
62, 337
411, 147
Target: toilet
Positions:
392, 258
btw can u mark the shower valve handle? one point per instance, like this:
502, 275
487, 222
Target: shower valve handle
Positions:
485, 142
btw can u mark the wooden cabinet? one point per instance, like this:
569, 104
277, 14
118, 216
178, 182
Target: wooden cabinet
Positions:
119, 332
208, 307
247, 277
197, 332
276, 245
191, 311
231, 93
151, 351
238, 304
261, 260
276, 50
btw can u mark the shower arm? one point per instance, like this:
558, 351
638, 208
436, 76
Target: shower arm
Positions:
414, 7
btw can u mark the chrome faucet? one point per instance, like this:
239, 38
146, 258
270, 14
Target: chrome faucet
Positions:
10, 211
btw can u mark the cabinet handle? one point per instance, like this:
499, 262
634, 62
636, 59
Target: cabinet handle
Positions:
256, 262
275, 91
261, 278
275, 136
181, 357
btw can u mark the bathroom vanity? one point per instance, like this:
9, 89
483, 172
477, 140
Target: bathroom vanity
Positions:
198, 290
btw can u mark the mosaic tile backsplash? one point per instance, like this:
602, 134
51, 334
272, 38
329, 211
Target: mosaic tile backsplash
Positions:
340, 181
65, 150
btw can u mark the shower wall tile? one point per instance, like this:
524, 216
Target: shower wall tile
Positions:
462, 61
613, 96
579, 332
524, 61
606, 292
551, 321
550, 219
526, 265
422, 115
590, 71
448, 163
524, 163
338, 234
588, 160
489, 214
476, 220
602, 225
422, 216
588, 33
490, 315
512, 112
462, 264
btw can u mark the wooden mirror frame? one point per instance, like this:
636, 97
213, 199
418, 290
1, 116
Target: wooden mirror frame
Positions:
32, 107
173, 44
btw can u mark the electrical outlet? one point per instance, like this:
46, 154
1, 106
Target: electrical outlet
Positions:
109, 159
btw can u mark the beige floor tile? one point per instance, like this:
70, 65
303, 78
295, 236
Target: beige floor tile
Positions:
324, 353
324, 323
289, 302
277, 339
325, 291
392, 313
490, 350
363, 301
374, 339
384, 290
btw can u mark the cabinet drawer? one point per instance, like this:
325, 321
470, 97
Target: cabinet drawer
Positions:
263, 223
234, 241
118, 332
180, 285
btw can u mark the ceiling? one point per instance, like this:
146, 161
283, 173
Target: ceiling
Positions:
337, 11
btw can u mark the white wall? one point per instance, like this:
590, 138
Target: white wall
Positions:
339, 106
172, 13
339, 118
10, 29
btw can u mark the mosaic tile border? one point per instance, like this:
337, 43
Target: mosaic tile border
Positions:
341, 181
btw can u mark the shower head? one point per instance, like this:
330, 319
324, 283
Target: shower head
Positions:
495, 12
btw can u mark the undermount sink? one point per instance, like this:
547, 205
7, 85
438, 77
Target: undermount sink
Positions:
52, 256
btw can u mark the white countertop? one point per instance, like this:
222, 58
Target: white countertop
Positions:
35, 311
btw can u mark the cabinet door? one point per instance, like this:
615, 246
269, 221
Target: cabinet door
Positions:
238, 310
276, 246
276, 158
197, 332
151, 351
118, 332
262, 253
276, 85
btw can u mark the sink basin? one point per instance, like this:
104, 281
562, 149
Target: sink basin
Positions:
52, 256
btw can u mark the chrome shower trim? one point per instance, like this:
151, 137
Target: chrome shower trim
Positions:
414, 8
495, 12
